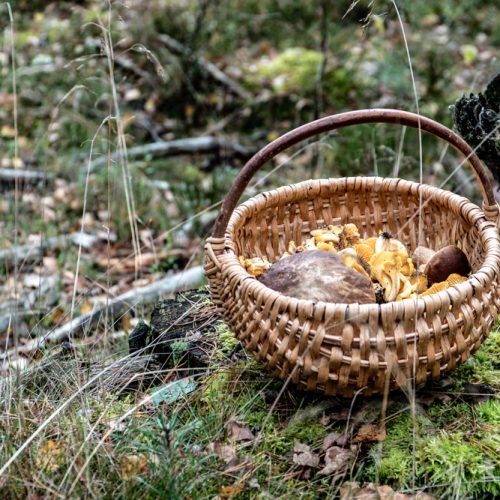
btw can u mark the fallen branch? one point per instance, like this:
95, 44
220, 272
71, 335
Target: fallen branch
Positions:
196, 145
190, 278
32, 252
10, 175
179, 49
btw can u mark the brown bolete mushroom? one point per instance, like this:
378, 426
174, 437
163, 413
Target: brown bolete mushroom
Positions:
422, 255
448, 260
319, 276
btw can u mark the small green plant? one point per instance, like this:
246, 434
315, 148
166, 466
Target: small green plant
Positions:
179, 349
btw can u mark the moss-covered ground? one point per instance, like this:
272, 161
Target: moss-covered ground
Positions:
181, 446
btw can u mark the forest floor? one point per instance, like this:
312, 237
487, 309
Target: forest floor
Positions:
121, 129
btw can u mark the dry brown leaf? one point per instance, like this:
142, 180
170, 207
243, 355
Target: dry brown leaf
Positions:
231, 490
58, 315
370, 432
336, 460
239, 432
86, 307
352, 490
131, 465
335, 438
50, 265
223, 451
303, 456
128, 265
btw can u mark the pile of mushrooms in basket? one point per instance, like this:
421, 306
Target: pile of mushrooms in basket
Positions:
335, 264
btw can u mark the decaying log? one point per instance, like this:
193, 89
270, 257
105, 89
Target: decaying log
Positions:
190, 320
186, 279
196, 145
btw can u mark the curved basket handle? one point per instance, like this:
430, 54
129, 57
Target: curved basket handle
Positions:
333, 122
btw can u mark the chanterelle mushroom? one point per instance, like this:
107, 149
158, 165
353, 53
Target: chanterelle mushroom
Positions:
385, 268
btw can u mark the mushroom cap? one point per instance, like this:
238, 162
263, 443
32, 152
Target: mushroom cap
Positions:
448, 260
319, 276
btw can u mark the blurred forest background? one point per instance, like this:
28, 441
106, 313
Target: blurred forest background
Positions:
123, 124
95, 81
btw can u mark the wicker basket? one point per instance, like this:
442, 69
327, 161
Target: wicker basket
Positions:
345, 349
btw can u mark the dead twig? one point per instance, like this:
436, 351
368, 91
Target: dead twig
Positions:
10, 175
179, 49
190, 278
196, 145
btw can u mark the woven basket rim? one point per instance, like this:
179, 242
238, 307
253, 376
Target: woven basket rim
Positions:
463, 291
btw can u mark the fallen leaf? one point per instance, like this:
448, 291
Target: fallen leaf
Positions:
335, 438
86, 307
303, 456
223, 451
370, 432
171, 392
231, 490
32, 280
352, 490
336, 460
7, 131
239, 432
50, 265
84, 239
57, 316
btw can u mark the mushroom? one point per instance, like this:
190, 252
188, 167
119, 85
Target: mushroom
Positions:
255, 266
371, 242
448, 260
353, 260
455, 279
319, 276
385, 268
405, 290
418, 283
386, 243
349, 236
435, 288
422, 255
364, 251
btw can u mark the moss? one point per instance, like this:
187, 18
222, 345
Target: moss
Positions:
396, 468
452, 412
280, 441
489, 412
226, 341
484, 366
293, 69
449, 460
393, 458
179, 348
215, 387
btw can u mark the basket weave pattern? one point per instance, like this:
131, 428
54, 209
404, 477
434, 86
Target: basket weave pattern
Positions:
344, 348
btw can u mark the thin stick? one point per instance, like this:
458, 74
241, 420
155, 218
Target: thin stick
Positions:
191, 278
